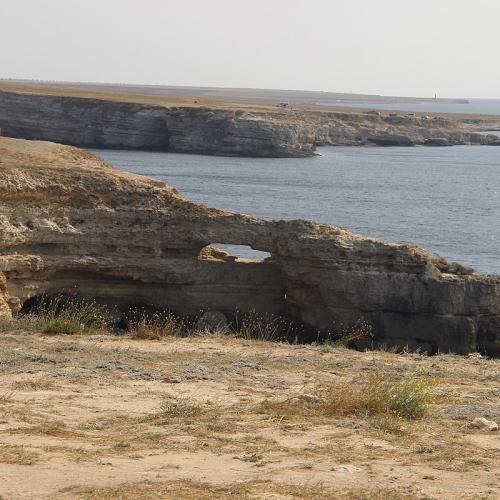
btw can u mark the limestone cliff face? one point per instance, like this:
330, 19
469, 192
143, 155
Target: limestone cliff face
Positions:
71, 223
110, 124
121, 125
5, 310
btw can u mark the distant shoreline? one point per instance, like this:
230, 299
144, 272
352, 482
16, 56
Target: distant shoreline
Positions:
229, 126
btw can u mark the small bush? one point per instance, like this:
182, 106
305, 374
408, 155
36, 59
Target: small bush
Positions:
180, 407
156, 326
407, 397
67, 316
254, 458
60, 326
268, 327
382, 394
344, 336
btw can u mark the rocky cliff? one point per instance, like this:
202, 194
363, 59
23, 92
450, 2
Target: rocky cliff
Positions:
122, 125
101, 123
71, 223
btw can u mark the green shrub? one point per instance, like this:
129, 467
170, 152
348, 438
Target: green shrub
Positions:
406, 396
61, 326
384, 394
66, 316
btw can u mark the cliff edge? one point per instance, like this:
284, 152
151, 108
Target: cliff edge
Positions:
101, 123
71, 223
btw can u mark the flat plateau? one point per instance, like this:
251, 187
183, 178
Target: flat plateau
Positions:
103, 417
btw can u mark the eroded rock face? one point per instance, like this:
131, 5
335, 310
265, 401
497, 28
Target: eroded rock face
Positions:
71, 223
122, 125
5, 310
101, 123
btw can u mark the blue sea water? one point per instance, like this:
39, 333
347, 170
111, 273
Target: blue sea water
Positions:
446, 200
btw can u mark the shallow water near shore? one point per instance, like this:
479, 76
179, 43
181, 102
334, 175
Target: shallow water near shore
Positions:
446, 200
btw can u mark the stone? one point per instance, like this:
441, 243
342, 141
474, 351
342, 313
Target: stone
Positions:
484, 424
391, 140
437, 141
71, 223
212, 321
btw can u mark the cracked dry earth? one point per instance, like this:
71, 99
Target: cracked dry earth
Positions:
101, 417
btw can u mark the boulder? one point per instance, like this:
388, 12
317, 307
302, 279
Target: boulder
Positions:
437, 141
391, 140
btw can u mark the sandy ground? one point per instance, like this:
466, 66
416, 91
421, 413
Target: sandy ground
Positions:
207, 417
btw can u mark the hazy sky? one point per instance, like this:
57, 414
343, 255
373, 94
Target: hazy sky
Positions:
398, 47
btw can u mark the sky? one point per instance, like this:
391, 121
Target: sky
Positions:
389, 47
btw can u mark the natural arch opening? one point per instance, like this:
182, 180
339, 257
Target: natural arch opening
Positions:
234, 252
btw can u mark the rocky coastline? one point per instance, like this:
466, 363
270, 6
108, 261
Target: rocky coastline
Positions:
70, 223
99, 123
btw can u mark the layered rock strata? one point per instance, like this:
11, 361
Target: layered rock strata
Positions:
71, 223
99, 123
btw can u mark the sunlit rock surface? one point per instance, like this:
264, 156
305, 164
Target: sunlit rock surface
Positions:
71, 223
103, 123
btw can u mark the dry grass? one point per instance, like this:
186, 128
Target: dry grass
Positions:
219, 417
253, 325
344, 336
62, 315
193, 490
382, 394
156, 326
12, 454
178, 408
33, 385
250, 326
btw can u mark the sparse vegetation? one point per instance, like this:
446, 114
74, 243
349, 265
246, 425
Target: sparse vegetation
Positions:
155, 326
62, 315
256, 326
383, 393
244, 490
253, 458
33, 385
61, 326
267, 327
344, 336
13, 454
407, 396
180, 407
231, 408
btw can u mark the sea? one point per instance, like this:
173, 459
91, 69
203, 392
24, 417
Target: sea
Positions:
446, 200
473, 106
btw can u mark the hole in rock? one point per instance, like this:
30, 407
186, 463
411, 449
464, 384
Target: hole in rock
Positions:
237, 252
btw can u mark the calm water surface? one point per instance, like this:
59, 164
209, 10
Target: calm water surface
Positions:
474, 106
444, 199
